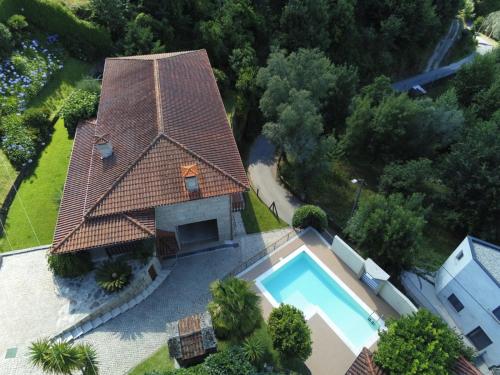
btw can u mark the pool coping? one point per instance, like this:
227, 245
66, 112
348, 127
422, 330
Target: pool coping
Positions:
316, 310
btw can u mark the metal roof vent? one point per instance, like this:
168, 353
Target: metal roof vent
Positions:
104, 146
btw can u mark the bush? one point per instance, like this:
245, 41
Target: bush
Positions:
5, 40
113, 276
17, 141
78, 106
17, 23
290, 333
309, 215
228, 362
38, 119
71, 264
89, 84
234, 308
424, 343
81, 38
254, 350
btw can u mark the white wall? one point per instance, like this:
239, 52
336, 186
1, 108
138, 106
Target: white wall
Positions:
399, 302
480, 295
169, 217
452, 266
348, 255
388, 292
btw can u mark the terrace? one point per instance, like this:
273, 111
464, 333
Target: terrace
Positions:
326, 343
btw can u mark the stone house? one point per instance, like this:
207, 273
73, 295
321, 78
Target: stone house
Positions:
159, 161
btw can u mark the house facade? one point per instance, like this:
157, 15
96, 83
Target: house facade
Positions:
468, 286
159, 161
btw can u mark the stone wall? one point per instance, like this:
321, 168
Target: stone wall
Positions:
169, 217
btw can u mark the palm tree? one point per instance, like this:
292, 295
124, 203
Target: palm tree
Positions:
88, 359
63, 358
235, 308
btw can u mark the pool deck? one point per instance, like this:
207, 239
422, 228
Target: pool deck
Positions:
330, 355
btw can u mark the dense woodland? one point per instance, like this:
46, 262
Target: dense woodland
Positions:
314, 76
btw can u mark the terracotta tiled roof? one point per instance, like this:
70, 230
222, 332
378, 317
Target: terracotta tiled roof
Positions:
364, 365
160, 112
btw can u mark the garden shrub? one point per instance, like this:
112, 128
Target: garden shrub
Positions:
290, 333
78, 106
234, 308
310, 215
254, 350
5, 40
17, 23
18, 142
39, 119
231, 361
113, 275
26, 72
71, 264
81, 38
89, 84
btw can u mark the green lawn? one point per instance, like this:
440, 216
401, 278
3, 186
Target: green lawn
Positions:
36, 204
159, 361
7, 175
257, 217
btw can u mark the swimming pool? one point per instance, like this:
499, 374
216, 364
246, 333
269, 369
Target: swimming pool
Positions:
303, 281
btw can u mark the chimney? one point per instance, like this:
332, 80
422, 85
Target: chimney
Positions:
103, 145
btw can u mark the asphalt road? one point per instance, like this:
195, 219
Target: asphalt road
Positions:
443, 46
262, 170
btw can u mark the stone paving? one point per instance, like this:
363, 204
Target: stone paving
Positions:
34, 303
131, 337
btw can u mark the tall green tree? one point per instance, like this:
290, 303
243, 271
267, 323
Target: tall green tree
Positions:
139, 38
234, 308
420, 343
112, 14
471, 171
304, 24
388, 230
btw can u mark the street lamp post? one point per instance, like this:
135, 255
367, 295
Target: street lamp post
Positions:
360, 183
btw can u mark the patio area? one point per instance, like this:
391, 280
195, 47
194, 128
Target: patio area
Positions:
330, 354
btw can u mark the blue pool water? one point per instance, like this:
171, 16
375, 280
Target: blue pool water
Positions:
302, 282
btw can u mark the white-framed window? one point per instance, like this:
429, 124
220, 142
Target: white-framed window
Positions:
479, 338
192, 184
460, 255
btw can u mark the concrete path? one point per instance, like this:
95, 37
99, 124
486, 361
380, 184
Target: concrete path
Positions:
262, 171
443, 46
123, 342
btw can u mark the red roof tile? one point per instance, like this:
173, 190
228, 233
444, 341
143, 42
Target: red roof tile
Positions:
159, 112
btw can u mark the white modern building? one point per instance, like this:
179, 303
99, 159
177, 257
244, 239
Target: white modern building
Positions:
465, 292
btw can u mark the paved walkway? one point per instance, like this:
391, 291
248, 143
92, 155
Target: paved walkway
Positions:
131, 337
262, 171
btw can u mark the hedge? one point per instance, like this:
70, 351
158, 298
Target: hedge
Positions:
81, 38
309, 215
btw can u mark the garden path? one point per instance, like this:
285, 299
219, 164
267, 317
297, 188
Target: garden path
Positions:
123, 342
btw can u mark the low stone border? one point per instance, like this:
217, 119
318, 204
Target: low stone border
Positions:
22, 251
139, 290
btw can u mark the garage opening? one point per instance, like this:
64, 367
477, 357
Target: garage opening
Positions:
202, 231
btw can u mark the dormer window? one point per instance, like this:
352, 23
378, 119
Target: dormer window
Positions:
190, 174
192, 184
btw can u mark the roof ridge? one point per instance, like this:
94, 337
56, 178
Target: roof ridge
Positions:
156, 56
159, 109
136, 222
122, 176
143, 154
209, 163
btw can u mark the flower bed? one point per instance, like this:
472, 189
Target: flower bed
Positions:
25, 73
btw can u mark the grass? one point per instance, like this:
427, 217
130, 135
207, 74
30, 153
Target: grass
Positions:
257, 217
159, 361
7, 176
36, 204
38, 196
